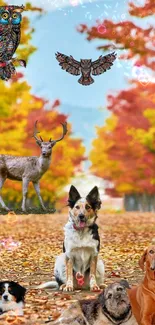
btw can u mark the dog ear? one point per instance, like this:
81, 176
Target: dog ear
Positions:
1, 286
101, 299
125, 284
94, 198
142, 260
73, 196
19, 290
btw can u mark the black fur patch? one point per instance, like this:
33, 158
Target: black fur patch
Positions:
58, 280
64, 249
93, 198
94, 229
74, 196
90, 309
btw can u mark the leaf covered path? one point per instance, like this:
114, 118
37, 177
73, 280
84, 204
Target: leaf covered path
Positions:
30, 243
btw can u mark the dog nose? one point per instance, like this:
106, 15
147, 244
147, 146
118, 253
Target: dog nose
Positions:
44, 153
81, 217
5, 297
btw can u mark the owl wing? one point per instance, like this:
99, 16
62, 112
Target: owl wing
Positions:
69, 64
103, 63
16, 38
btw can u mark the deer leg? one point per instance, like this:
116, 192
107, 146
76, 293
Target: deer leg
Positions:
37, 189
2, 180
25, 190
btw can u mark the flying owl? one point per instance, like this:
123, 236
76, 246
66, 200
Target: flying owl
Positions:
10, 19
86, 67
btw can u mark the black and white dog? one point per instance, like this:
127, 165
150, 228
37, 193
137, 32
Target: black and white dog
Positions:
12, 297
78, 266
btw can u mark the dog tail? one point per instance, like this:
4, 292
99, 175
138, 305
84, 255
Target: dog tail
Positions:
50, 284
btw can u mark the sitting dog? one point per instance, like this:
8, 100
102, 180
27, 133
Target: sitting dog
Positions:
112, 306
79, 265
142, 297
12, 297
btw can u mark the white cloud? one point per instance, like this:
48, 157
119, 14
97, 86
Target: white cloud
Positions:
52, 4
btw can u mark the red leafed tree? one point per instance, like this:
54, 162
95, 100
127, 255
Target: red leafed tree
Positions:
124, 151
139, 42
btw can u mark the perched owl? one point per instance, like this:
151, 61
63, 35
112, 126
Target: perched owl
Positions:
85, 67
10, 19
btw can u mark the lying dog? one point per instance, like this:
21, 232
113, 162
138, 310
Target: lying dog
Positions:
12, 297
112, 306
79, 266
142, 297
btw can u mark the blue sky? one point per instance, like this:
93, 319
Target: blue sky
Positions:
56, 31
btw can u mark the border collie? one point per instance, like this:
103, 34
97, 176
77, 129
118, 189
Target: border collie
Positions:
78, 266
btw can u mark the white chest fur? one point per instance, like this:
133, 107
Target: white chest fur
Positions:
12, 305
80, 246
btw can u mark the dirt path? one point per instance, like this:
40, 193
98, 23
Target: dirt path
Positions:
29, 244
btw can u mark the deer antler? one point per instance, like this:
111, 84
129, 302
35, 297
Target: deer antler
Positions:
36, 132
64, 126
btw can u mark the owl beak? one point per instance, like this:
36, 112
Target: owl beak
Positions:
10, 21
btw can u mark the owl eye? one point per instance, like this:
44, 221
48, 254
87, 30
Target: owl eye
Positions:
14, 16
5, 15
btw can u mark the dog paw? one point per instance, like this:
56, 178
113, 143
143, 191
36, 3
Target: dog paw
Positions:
67, 287
93, 284
95, 288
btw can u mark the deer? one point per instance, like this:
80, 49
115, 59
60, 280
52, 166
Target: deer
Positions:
28, 169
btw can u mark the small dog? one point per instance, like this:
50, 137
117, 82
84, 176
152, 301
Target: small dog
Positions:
79, 266
12, 297
112, 306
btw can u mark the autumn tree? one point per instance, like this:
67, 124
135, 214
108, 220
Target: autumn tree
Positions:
123, 152
19, 111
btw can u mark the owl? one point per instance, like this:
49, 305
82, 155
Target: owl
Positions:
10, 19
86, 67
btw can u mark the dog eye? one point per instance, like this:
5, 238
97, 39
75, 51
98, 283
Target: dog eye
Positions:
87, 207
151, 251
119, 289
109, 295
77, 207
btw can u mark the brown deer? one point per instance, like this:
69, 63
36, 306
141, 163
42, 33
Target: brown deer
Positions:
28, 169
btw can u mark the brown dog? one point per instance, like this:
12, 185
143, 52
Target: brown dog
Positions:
142, 297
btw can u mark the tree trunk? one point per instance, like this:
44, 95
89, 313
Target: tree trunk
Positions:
145, 202
131, 202
139, 202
